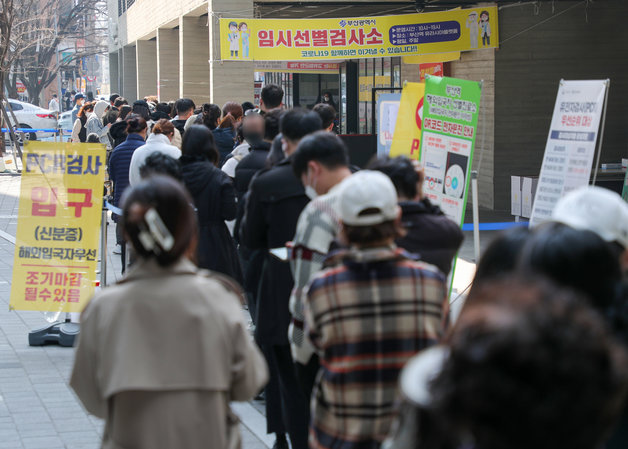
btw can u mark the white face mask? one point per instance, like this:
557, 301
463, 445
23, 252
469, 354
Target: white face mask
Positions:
310, 191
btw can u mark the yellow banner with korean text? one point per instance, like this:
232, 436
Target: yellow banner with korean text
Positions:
58, 230
407, 137
364, 37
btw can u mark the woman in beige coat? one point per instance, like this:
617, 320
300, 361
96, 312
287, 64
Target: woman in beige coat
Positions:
163, 352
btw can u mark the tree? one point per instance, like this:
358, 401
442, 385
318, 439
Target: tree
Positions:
13, 23
37, 29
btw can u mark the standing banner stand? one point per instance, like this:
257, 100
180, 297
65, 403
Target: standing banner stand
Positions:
624, 191
407, 136
386, 110
450, 121
571, 144
601, 140
58, 233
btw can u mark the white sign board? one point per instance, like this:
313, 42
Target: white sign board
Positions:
571, 144
515, 196
387, 109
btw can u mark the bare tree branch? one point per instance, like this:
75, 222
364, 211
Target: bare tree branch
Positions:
33, 31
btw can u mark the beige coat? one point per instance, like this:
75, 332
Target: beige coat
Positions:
161, 354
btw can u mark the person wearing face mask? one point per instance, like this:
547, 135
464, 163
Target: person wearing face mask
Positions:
322, 163
253, 132
275, 199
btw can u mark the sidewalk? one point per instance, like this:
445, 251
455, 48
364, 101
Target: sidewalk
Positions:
37, 407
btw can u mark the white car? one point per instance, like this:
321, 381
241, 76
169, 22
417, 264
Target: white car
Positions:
65, 121
31, 116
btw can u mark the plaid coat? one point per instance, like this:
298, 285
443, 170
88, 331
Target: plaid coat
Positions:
366, 318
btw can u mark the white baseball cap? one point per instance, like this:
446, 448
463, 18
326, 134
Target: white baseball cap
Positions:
364, 190
595, 209
420, 371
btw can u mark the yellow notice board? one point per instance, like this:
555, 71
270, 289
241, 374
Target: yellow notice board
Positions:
365, 84
407, 137
58, 230
363, 37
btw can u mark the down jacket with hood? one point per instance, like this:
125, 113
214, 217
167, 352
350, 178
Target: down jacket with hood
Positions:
214, 198
95, 125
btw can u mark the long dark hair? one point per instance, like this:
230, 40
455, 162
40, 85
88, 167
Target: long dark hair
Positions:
210, 115
173, 205
198, 145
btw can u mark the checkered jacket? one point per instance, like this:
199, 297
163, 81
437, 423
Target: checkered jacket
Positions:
317, 228
366, 318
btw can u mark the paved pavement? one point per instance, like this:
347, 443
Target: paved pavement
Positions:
37, 407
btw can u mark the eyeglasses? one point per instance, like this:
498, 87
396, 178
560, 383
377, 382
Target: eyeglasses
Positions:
252, 111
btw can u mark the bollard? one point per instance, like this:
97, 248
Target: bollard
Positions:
103, 249
476, 216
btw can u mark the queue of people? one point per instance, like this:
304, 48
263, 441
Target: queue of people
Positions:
242, 211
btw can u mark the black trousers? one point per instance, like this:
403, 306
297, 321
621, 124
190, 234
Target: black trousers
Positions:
306, 375
295, 407
274, 413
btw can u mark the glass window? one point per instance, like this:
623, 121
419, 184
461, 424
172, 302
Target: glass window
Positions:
396, 63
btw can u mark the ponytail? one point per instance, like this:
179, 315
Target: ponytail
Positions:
228, 121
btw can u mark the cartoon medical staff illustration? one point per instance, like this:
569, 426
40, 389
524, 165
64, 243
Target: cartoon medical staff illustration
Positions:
234, 39
245, 34
474, 29
485, 28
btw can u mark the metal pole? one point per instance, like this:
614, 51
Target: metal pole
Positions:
599, 150
476, 215
103, 249
59, 96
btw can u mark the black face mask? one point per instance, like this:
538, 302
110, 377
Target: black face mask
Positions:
253, 138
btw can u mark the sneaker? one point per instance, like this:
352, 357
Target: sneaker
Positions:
117, 249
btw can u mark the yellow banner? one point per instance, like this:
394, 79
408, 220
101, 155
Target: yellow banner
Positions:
58, 230
407, 137
432, 59
364, 37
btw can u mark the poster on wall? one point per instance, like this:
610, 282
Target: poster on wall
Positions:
362, 37
450, 118
430, 69
365, 86
387, 110
571, 143
407, 135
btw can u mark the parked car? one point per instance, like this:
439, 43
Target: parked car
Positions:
31, 116
65, 121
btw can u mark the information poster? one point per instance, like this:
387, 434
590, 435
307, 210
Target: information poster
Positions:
58, 231
450, 119
430, 69
365, 86
407, 135
362, 37
387, 110
570, 145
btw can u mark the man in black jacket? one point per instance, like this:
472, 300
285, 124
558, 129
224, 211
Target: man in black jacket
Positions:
256, 159
185, 108
431, 235
276, 198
